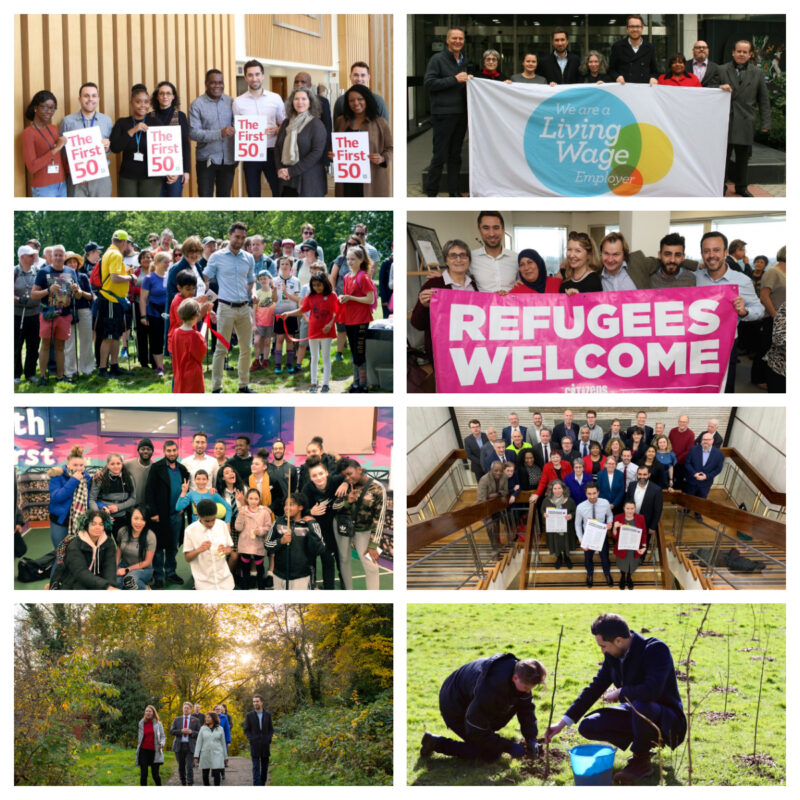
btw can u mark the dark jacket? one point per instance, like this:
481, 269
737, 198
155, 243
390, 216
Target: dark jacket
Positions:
711, 78
560, 431
78, 557
303, 480
314, 496
506, 437
447, 95
296, 559
384, 292
473, 451
165, 118
260, 737
636, 67
694, 464
647, 674
157, 494
177, 726
307, 177
648, 434
242, 466
652, 504
482, 694
747, 95
121, 142
551, 71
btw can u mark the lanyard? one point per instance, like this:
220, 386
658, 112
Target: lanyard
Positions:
137, 136
83, 120
51, 143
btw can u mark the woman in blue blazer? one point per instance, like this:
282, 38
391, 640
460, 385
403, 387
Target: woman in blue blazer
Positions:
611, 484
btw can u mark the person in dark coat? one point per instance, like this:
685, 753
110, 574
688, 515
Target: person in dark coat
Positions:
301, 146
384, 290
90, 558
643, 672
549, 66
161, 495
651, 504
481, 698
185, 729
258, 730
627, 65
703, 464
472, 447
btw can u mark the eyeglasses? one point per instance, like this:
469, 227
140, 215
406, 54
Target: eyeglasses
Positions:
48, 106
458, 256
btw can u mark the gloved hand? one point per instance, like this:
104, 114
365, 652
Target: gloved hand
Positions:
533, 748
516, 750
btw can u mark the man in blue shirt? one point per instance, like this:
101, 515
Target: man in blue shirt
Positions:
715, 271
234, 270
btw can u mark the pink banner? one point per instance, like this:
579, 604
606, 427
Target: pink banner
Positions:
653, 340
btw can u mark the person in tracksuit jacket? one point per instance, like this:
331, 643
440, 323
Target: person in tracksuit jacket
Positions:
643, 673
481, 698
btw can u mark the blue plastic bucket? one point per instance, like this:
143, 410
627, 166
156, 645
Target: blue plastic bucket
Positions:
592, 764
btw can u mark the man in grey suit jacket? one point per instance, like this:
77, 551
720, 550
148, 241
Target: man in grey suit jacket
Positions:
472, 447
745, 82
707, 71
185, 729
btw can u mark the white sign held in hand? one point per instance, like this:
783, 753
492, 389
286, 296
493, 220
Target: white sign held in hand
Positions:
86, 155
556, 520
594, 534
164, 151
351, 162
630, 537
251, 138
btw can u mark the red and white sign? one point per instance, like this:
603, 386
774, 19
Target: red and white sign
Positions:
251, 137
86, 155
164, 151
351, 162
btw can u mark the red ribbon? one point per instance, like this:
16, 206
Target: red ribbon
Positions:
225, 343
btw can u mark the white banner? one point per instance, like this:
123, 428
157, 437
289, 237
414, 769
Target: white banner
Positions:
351, 162
86, 155
586, 140
164, 151
251, 137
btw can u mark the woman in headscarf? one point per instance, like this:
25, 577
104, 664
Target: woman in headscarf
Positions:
533, 275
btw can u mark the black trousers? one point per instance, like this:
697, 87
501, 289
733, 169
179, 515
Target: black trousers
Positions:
219, 176
588, 560
185, 758
623, 728
217, 773
252, 175
146, 760
330, 559
26, 333
449, 131
730, 382
737, 170
466, 750
357, 338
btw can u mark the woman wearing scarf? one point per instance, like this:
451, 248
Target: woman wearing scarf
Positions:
90, 557
490, 61
361, 114
165, 104
300, 147
112, 490
69, 498
533, 275
560, 544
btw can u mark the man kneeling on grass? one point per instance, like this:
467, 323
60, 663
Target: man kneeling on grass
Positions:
643, 673
482, 697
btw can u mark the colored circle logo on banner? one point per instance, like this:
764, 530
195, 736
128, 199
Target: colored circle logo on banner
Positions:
584, 143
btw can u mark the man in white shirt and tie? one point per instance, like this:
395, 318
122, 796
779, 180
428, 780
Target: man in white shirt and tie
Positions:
584, 441
596, 508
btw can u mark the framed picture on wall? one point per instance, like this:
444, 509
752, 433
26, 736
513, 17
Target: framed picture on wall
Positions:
426, 243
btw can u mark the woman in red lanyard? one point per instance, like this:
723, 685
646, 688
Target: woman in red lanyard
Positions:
129, 137
42, 148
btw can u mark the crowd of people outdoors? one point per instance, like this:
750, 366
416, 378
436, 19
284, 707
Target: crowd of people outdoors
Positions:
760, 306
247, 520
299, 146
201, 740
582, 472
631, 59
78, 314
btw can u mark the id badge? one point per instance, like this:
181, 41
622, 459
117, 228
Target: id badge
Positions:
52, 169
138, 156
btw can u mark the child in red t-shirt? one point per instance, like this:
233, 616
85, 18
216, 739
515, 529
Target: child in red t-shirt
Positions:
188, 351
187, 287
356, 305
322, 306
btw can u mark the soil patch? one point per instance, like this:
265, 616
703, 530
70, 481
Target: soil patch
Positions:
762, 763
761, 658
686, 661
725, 689
712, 633
718, 716
538, 768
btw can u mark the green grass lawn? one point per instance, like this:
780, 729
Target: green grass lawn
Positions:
107, 765
443, 637
39, 544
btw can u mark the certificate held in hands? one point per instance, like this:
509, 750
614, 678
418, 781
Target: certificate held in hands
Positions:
556, 520
630, 537
594, 534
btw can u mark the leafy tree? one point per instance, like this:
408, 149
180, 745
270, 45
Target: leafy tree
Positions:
124, 672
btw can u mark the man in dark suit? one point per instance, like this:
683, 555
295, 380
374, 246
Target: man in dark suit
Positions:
161, 495
648, 499
488, 448
632, 59
706, 71
649, 687
703, 464
258, 730
559, 65
713, 429
614, 432
472, 446
513, 425
748, 90
185, 729
499, 453
482, 697
641, 420
567, 428
542, 451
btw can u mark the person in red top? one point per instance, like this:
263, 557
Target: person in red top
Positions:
43, 148
682, 441
322, 306
629, 560
150, 748
187, 286
533, 275
677, 75
595, 461
188, 351
555, 469
357, 304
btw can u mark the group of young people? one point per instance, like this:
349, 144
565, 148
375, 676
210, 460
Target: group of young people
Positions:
250, 520
298, 138
580, 475
81, 313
